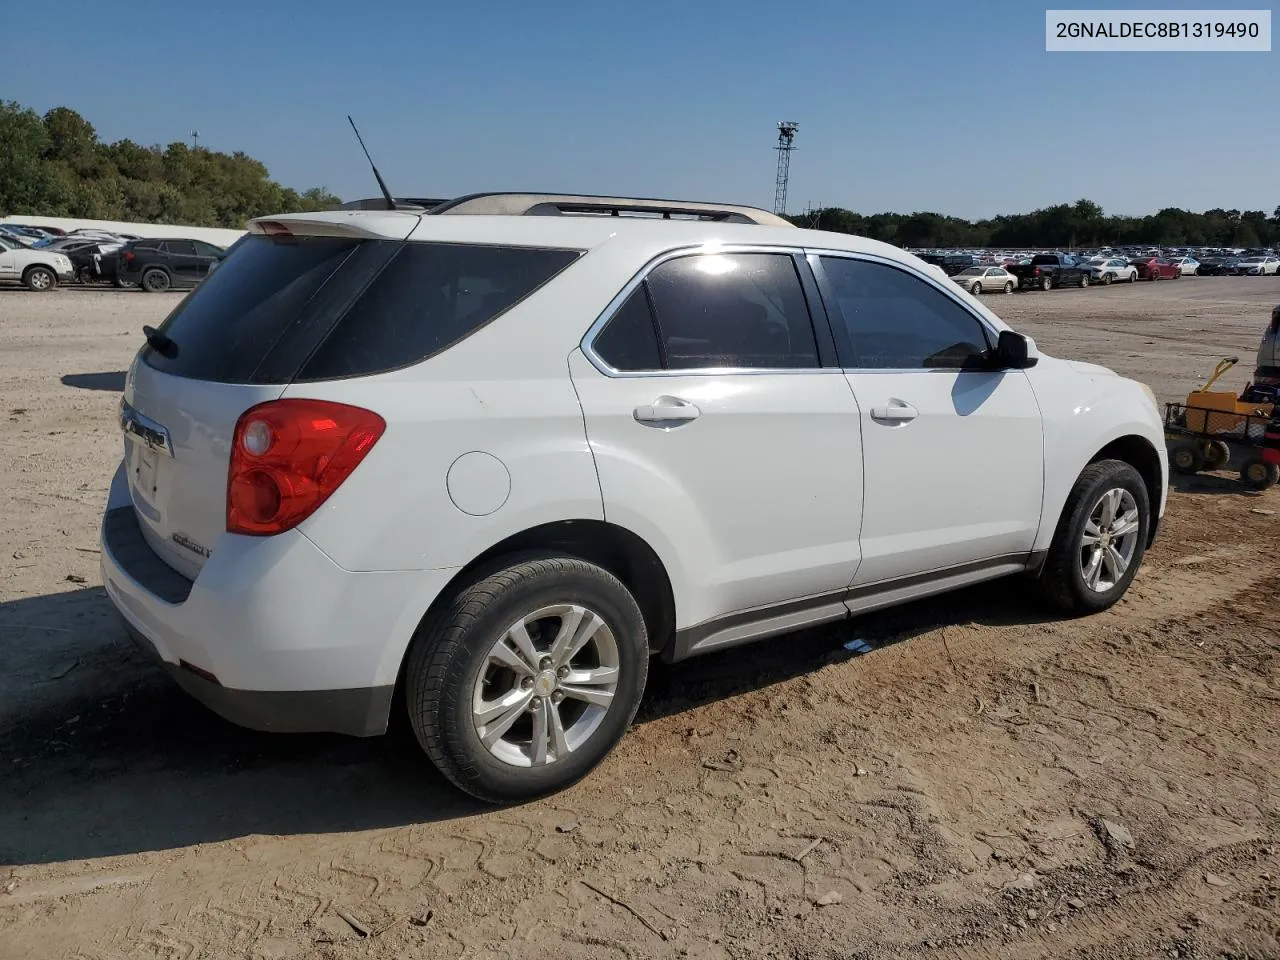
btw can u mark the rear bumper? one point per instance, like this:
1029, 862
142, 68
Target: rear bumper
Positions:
272, 634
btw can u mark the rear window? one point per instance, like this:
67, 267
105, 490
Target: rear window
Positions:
318, 308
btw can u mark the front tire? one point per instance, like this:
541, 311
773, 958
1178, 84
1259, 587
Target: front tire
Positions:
1084, 280
1187, 458
39, 279
1100, 540
527, 679
975, 288
1259, 474
1133, 276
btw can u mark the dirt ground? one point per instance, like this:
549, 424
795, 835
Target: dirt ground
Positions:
988, 782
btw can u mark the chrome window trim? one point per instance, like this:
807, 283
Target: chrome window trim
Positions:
813, 253
587, 344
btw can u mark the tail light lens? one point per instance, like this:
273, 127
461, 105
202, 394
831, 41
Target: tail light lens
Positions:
1035, 272
288, 456
128, 256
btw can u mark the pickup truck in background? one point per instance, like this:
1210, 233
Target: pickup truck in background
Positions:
1049, 270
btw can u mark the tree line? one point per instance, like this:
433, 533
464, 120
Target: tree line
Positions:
55, 166
1079, 224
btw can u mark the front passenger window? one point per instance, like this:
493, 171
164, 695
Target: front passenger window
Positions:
898, 321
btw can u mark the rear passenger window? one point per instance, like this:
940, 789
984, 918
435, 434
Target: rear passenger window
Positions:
898, 321
181, 248
429, 297
629, 340
742, 310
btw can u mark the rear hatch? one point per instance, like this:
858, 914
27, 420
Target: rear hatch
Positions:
303, 299
238, 340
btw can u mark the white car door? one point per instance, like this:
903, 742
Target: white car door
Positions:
953, 451
724, 436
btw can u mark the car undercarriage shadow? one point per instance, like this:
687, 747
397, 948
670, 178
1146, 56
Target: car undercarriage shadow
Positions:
101, 754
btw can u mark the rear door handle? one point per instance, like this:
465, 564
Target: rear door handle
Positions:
667, 409
896, 411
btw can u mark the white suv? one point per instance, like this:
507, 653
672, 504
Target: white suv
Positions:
492, 463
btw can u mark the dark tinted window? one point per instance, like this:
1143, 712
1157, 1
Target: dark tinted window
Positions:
429, 297
206, 249
732, 310
180, 248
227, 327
629, 340
899, 321
1044, 259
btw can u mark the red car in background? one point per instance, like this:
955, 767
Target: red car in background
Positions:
1156, 268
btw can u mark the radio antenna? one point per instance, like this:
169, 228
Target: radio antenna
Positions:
391, 203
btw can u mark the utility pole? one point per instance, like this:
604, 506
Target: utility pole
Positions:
786, 143
195, 139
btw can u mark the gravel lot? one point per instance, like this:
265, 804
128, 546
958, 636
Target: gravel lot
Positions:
987, 782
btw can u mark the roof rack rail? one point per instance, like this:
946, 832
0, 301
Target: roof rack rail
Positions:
560, 204
402, 203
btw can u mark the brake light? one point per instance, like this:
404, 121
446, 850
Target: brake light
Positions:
1035, 272
289, 456
128, 256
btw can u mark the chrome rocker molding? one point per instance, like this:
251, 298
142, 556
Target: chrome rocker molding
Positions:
747, 626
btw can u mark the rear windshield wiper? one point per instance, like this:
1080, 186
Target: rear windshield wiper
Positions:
160, 343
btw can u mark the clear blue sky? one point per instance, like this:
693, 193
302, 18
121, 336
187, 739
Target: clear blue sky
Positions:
904, 105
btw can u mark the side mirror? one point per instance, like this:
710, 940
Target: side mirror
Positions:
1015, 352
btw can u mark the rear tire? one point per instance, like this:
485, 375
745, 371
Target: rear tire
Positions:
39, 279
1187, 458
155, 281
1046, 283
1084, 280
975, 288
1008, 287
1218, 455
1259, 474
1106, 279
1133, 276
1080, 575
474, 648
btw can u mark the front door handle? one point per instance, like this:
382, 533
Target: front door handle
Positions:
667, 409
895, 411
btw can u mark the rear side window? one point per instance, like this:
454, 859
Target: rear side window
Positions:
629, 340
429, 297
181, 248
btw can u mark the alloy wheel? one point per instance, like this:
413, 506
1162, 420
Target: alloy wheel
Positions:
1109, 540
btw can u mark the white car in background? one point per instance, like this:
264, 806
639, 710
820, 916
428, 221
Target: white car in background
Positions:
478, 465
1187, 266
39, 270
1258, 266
1112, 269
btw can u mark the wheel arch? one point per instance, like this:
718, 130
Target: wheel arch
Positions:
1138, 452
615, 548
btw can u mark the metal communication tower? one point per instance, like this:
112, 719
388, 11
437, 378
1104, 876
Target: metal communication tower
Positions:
786, 143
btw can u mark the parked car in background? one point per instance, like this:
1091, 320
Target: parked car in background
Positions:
38, 270
1048, 270
16, 237
165, 264
86, 255
983, 279
1221, 266
498, 463
1258, 266
1156, 268
1109, 270
951, 263
1187, 266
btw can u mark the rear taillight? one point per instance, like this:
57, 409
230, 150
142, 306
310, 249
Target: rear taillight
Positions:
128, 256
288, 456
1035, 272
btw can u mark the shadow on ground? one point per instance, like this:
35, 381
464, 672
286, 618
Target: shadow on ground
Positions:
111, 381
112, 758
